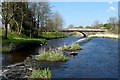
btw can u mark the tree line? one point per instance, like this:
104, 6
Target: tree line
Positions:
112, 25
30, 18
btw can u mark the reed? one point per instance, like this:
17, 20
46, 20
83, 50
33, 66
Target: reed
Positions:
44, 74
51, 55
73, 47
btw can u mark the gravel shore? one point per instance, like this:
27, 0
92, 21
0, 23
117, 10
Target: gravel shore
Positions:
115, 36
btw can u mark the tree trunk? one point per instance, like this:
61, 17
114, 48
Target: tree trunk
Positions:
38, 24
21, 20
17, 25
20, 29
30, 33
6, 31
21, 24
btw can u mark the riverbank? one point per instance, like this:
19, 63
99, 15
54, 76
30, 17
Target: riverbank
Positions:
29, 65
112, 36
15, 41
12, 44
52, 35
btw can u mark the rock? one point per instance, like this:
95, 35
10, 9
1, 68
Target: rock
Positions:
4, 71
73, 53
19, 70
30, 69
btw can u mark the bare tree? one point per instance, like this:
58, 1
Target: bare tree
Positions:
96, 24
71, 26
58, 21
113, 21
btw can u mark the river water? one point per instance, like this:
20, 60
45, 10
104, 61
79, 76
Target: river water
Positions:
98, 59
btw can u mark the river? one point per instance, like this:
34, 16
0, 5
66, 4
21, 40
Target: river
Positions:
98, 59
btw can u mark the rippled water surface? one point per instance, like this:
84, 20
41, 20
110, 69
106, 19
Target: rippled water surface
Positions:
98, 59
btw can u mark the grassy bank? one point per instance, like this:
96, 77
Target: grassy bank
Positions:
13, 37
52, 35
19, 41
23, 40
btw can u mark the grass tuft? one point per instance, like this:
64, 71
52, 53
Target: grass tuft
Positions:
51, 56
44, 74
73, 47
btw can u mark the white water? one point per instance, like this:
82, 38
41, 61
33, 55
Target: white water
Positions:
82, 40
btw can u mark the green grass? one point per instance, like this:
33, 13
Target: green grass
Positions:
5, 49
72, 34
51, 56
73, 47
23, 40
12, 34
18, 40
52, 35
44, 74
93, 37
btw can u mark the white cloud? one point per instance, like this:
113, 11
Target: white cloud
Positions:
110, 1
111, 9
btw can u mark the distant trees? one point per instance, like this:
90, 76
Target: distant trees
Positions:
80, 26
112, 25
30, 18
96, 24
107, 26
88, 27
113, 22
57, 20
71, 26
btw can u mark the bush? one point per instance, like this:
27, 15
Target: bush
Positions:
44, 74
51, 56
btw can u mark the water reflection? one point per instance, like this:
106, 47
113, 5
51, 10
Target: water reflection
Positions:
20, 56
59, 42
